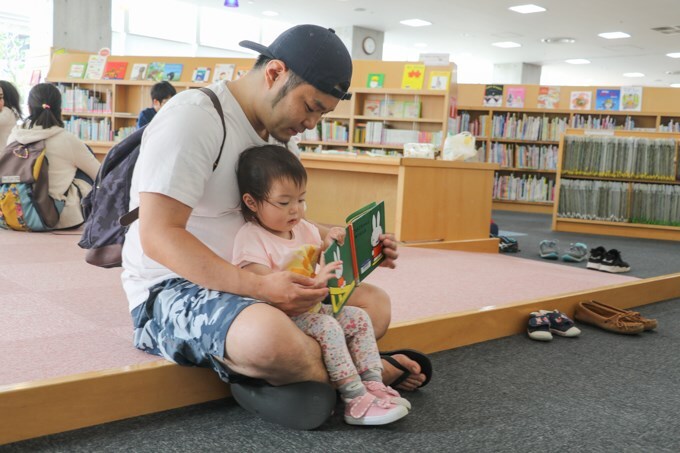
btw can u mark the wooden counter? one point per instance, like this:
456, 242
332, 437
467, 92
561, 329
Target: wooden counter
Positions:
425, 200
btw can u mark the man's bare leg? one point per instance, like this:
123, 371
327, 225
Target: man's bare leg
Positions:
376, 302
264, 343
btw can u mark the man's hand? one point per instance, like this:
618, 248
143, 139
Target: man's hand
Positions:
334, 234
389, 250
291, 293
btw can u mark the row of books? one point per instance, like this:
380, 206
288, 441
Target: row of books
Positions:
523, 188
79, 100
391, 108
465, 123
379, 133
527, 127
98, 67
593, 200
620, 157
603, 122
654, 204
123, 132
328, 131
90, 129
531, 157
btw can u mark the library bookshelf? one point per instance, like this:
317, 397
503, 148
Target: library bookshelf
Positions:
524, 141
113, 105
627, 225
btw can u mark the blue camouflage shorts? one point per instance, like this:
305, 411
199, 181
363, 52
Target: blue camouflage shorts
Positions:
187, 324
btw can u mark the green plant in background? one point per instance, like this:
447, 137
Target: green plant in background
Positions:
13, 49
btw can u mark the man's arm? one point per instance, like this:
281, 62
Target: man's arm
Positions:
165, 239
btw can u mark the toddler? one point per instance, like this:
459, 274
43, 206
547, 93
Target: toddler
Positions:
276, 237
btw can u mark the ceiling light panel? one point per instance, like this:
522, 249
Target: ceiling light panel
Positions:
415, 22
506, 44
527, 9
633, 74
614, 35
673, 54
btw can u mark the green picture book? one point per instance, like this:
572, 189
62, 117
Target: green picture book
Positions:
361, 252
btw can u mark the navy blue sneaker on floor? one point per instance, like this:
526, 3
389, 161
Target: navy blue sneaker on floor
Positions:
595, 258
612, 262
561, 324
539, 327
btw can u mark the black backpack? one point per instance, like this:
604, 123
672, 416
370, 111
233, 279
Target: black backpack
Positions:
106, 207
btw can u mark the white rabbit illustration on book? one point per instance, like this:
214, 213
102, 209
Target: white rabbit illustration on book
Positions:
375, 237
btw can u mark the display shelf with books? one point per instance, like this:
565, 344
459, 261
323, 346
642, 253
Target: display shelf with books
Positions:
620, 183
651, 109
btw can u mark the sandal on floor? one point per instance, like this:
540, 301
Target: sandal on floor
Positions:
418, 357
303, 405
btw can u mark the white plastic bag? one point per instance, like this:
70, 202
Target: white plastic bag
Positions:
422, 150
459, 147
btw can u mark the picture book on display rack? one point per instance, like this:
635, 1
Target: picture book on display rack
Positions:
360, 253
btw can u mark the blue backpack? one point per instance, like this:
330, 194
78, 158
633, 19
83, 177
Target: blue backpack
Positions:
106, 207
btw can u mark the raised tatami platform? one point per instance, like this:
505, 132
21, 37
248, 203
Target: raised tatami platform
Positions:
66, 337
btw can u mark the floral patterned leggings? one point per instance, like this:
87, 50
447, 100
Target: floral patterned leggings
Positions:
347, 341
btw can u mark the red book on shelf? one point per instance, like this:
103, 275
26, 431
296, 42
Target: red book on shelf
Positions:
115, 70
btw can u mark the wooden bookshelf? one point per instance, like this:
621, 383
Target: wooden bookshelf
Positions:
126, 98
660, 113
625, 229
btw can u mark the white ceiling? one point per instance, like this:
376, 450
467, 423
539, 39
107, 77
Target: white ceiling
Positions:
466, 29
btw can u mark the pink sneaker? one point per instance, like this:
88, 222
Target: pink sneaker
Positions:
369, 410
386, 392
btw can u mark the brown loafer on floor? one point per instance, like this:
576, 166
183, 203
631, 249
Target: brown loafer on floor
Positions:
607, 319
647, 323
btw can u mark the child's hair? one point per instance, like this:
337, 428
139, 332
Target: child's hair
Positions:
162, 91
11, 96
259, 166
44, 106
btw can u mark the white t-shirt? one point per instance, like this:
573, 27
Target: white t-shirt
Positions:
176, 159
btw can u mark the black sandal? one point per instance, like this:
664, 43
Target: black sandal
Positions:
418, 357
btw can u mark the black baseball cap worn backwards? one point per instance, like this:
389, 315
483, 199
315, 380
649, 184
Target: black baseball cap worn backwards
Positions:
314, 53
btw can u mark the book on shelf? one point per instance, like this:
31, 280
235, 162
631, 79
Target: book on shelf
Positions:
439, 80
360, 253
224, 71
172, 72
155, 71
375, 80
412, 109
631, 99
515, 97
115, 70
580, 100
413, 77
606, 99
200, 74
493, 96
240, 72
77, 70
372, 107
95, 67
138, 71
548, 97
393, 109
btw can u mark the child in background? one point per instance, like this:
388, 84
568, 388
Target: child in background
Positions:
10, 110
276, 237
160, 94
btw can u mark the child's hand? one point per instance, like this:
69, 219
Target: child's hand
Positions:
334, 234
326, 272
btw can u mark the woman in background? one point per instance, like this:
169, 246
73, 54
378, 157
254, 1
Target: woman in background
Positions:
66, 154
10, 110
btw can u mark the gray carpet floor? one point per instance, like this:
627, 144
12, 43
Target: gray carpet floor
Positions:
599, 392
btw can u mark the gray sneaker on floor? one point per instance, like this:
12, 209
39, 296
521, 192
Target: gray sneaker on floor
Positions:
577, 252
548, 249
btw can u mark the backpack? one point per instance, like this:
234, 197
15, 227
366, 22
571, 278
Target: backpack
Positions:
25, 203
106, 207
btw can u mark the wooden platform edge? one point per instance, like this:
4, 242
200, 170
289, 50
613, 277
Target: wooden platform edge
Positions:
39, 408
486, 245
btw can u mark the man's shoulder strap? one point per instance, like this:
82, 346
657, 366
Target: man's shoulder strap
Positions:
128, 218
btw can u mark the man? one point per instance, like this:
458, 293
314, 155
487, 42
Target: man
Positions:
188, 303
161, 93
